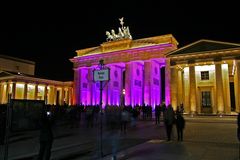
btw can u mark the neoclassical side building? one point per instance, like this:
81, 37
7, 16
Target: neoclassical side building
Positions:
205, 77
17, 80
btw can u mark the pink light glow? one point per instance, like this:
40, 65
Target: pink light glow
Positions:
134, 81
138, 89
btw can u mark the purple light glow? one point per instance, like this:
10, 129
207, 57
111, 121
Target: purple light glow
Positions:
137, 87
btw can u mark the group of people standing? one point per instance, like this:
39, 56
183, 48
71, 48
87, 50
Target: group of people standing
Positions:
171, 118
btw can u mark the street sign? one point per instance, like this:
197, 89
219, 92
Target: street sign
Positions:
101, 75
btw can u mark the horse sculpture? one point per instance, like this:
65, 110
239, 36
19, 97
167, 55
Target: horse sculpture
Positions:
109, 36
115, 36
120, 33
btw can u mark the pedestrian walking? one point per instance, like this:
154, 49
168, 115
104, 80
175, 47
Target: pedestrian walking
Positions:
46, 136
157, 114
124, 120
169, 118
180, 124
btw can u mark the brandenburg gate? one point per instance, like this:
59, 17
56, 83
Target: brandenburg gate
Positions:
139, 70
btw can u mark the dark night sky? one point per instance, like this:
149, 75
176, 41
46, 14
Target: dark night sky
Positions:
49, 34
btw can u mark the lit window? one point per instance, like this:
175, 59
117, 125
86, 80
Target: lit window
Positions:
204, 75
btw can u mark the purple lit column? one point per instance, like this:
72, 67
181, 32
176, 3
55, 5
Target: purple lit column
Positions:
96, 93
156, 84
90, 83
114, 85
83, 85
76, 86
167, 82
134, 83
147, 82
152, 85
128, 83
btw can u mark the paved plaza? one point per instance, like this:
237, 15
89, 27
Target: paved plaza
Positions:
205, 138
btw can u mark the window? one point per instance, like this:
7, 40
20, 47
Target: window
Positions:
205, 75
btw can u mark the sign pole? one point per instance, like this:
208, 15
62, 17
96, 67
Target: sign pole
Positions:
99, 75
101, 125
101, 111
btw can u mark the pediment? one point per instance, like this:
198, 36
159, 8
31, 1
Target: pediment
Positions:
5, 74
204, 46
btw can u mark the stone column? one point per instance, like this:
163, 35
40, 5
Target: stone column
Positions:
179, 87
186, 90
90, 83
55, 95
36, 92
61, 97
7, 92
25, 90
114, 87
167, 82
174, 87
51, 95
192, 96
76, 93
236, 85
70, 96
67, 96
226, 88
13, 90
128, 84
1, 92
45, 94
147, 82
219, 88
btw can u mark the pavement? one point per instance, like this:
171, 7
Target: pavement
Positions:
189, 149
157, 149
68, 144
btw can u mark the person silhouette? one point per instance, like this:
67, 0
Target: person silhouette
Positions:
180, 124
46, 136
169, 118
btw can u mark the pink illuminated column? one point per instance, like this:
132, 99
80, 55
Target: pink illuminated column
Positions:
128, 83
90, 83
147, 82
134, 83
152, 84
96, 93
115, 85
82, 85
167, 82
76, 86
